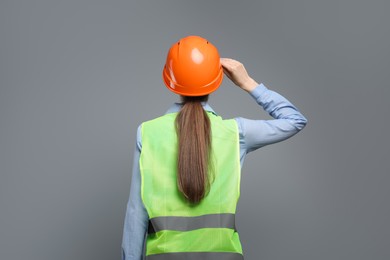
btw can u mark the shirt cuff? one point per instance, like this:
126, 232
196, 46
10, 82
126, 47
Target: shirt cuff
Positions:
258, 91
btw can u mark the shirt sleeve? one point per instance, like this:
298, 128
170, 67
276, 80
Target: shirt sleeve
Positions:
288, 121
136, 218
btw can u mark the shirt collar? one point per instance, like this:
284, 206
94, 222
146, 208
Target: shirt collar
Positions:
177, 106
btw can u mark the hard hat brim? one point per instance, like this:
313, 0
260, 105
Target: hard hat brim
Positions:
192, 90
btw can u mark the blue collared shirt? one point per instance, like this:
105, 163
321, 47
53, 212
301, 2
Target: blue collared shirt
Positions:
253, 134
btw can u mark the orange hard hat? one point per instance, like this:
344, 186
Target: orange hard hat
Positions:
193, 67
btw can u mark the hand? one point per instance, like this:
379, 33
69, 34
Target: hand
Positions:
237, 73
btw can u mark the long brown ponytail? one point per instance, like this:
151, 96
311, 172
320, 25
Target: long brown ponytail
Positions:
194, 141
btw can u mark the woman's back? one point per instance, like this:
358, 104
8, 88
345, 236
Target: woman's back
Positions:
176, 225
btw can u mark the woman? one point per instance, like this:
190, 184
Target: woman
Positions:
186, 176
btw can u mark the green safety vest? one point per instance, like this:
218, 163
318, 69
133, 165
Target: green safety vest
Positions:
177, 229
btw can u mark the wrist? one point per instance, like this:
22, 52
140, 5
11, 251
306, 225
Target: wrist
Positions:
249, 85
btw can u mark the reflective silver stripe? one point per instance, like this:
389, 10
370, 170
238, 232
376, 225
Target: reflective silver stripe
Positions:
196, 256
224, 220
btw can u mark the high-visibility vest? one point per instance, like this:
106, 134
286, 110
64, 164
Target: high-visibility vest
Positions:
177, 229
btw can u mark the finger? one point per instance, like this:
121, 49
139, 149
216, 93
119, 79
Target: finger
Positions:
227, 64
230, 64
227, 61
227, 72
227, 69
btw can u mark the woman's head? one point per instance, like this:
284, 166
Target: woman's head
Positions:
193, 67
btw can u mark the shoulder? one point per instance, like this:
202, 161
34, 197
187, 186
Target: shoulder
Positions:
158, 126
159, 120
225, 125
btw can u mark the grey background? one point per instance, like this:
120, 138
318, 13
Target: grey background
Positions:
77, 77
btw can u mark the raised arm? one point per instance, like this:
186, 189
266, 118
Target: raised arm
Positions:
257, 133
